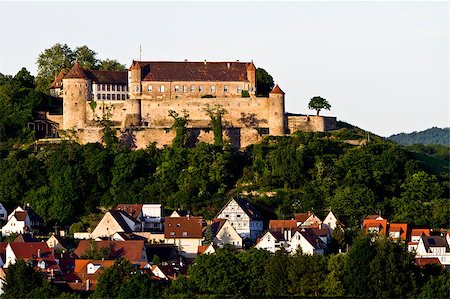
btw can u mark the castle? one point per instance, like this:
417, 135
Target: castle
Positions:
141, 98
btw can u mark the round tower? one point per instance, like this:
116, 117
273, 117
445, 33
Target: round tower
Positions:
133, 104
277, 121
76, 92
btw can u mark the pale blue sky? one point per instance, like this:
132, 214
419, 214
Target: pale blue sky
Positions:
383, 66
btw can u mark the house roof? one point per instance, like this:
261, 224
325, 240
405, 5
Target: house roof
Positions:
81, 264
192, 71
374, 217
76, 72
25, 238
380, 224
312, 238
302, 217
171, 271
288, 224
130, 250
20, 216
277, 90
248, 207
34, 251
420, 232
401, 228
58, 80
435, 241
216, 225
120, 217
130, 236
201, 249
183, 227
428, 260
132, 209
321, 232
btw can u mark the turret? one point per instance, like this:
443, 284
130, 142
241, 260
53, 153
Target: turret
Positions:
133, 104
251, 76
77, 91
277, 122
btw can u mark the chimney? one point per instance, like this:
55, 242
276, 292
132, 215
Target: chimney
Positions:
88, 284
228, 65
204, 62
39, 253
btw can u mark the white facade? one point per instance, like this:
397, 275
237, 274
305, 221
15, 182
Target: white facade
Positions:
14, 225
227, 235
109, 92
244, 225
330, 221
188, 247
298, 241
270, 243
152, 216
440, 252
108, 226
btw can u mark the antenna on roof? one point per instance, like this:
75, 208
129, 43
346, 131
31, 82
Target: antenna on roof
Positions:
140, 53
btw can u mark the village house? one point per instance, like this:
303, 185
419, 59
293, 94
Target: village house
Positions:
36, 253
416, 234
307, 219
307, 242
206, 249
331, 222
244, 217
149, 215
21, 221
85, 274
434, 247
169, 271
134, 251
224, 233
186, 233
375, 224
274, 239
57, 243
398, 231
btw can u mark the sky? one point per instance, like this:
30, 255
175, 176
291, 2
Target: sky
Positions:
383, 66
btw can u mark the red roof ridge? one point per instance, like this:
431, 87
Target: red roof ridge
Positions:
277, 90
76, 72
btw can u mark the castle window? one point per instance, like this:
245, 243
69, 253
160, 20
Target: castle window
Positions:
107, 87
103, 96
113, 88
200, 88
98, 96
184, 88
150, 88
161, 88
98, 87
213, 88
225, 88
108, 96
192, 88
123, 97
177, 88
113, 96
103, 87
239, 89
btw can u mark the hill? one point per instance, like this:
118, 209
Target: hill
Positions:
430, 136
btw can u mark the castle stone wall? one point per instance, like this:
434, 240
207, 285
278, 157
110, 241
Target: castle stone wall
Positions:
305, 123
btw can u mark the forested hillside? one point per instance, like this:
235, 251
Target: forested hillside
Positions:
430, 136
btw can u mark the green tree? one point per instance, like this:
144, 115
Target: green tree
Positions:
264, 82
437, 286
215, 114
112, 65
113, 279
276, 274
23, 281
50, 62
333, 284
86, 58
180, 127
318, 103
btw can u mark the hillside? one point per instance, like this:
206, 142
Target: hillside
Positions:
430, 136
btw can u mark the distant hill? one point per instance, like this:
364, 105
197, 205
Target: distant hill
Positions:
430, 136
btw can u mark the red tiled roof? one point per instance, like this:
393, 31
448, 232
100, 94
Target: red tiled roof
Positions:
183, 227
35, 251
20, 216
81, 264
192, 71
202, 249
288, 224
76, 72
302, 217
111, 77
420, 232
277, 89
402, 228
57, 83
132, 209
380, 224
374, 217
425, 261
130, 250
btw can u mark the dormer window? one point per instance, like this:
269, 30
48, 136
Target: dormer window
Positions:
161, 88
200, 88
184, 88
192, 88
213, 88
225, 88
150, 88
177, 88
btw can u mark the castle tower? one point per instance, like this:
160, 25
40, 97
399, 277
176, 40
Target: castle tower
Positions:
133, 104
277, 122
77, 91
251, 76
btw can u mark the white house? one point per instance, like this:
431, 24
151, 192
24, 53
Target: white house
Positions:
244, 217
309, 243
150, 215
434, 247
18, 222
275, 239
184, 232
115, 221
224, 233
331, 221
3, 213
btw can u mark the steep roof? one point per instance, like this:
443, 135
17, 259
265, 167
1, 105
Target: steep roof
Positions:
120, 217
183, 227
35, 251
111, 77
277, 90
302, 217
401, 228
380, 224
81, 264
420, 232
130, 250
421, 262
131, 209
374, 217
192, 71
435, 241
76, 72
25, 238
216, 225
248, 207
20, 216
288, 224
313, 239
58, 80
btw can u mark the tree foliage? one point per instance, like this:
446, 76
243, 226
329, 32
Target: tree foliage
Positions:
215, 114
264, 82
318, 103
